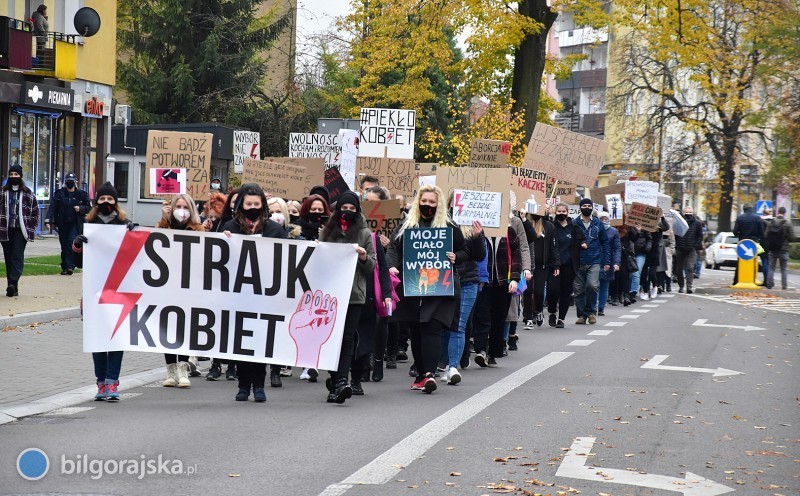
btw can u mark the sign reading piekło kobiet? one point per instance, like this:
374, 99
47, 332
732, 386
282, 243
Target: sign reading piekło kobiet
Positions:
426, 269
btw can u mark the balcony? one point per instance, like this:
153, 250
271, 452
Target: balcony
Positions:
583, 79
583, 36
50, 55
581, 123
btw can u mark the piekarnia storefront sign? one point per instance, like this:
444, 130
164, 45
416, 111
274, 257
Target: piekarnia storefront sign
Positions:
241, 298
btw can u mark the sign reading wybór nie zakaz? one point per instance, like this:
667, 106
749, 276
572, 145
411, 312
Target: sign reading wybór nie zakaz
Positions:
387, 133
565, 155
246, 144
426, 269
242, 298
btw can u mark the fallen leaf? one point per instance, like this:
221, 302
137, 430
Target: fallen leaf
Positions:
455, 474
498, 459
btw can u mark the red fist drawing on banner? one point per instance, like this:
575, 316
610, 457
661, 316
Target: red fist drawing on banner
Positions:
312, 325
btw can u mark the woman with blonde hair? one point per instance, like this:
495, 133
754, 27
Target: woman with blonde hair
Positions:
429, 315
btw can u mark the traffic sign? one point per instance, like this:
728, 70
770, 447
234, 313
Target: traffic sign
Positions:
762, 205
747, 249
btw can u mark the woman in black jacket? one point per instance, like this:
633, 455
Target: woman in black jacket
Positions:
545, 259
314, 214
628, 266
252, 218
570, 241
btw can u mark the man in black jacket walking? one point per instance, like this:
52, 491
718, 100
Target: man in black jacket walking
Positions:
686, 248
749, 225
66, 213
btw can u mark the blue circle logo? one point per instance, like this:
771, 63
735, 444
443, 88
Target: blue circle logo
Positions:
33, 464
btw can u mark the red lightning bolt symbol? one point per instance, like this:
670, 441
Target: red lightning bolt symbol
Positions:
253, 150
131, 245
446, 280
390, 136
375, 215
458, 203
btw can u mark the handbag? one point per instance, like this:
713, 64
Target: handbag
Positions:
630, 260
380, 308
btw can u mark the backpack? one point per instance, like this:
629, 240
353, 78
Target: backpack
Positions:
775, 235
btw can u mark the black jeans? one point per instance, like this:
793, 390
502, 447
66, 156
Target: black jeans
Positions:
175, 358
348, 342
66, 235
559, 292
482, 319
426, 345
500, 301
14, 253
251, 374
541, 276
381, 338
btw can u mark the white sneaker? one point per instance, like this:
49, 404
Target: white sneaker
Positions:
653, 293
286, 372
529, 325
304, 376
644, 296
453, 377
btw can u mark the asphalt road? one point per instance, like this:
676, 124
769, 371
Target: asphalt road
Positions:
508, 430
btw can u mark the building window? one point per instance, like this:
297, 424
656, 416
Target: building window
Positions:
144, 183
121, 179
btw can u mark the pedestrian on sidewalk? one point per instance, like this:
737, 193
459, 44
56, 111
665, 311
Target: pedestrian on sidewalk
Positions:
591, 260
19, 216
779, 235
66, 213
106, 211
749, 226
181, 214
570, 242
686, 249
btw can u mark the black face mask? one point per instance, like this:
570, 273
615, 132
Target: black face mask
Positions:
348, 216
315, 218
561, 217
587, 212
105, 208
14, 181
427, 211
293, 219
536, 217
252, 214
688, 216
70, 184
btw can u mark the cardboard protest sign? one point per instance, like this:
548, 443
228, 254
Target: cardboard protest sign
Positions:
395, 174
347, 162
179, 150
383, 217
564, 191
616, 209
645, 217
426, 269
314, 145
565, 155
167, 181
217, 308
387, 133
483, 206
664, 202
599, 194
335, 184
423, 169
641, 192
277, 179
528, 190
452, 178
315, 171
489, 154
246, 144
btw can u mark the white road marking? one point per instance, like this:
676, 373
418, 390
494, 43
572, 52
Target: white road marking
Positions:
581, 342
615, 324
640, 310
71, 410
650, 306
655, 364
664, 295
703, 323
385, 467
601, 332
659, 301
630, 316
574, 466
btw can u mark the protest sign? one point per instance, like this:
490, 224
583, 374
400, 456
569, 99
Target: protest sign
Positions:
641, 192
167, 181
598, 195
616, 209
315, 171
281, 180
560, 189
528, 189
335, 184
565, 155
483, 206
645, 217
452, 178
246, 144
347, 162
178, 150
489, 154
427, 181
395, 174
423, 169
242, 298
383, 217
574, 211
387, 133
665, 202
426, 269
315, 145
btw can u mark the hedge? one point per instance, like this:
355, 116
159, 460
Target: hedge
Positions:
794, 251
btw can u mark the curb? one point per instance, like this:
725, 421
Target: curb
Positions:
38, 317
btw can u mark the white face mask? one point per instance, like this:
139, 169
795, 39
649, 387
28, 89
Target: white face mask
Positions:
278, 217
181, 215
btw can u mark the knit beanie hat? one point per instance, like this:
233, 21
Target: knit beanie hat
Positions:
106, 189
15, 168
351, 198
586, 201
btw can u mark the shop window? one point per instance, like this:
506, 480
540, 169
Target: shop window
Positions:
121, 179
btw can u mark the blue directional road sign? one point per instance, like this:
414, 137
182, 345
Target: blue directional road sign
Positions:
747, 249
762, 205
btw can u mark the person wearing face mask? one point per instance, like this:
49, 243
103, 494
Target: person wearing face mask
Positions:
66, 213
106, 211
293, 206
279, 212
545, 261
607, 276
595, 257
429, 315
570, 242
347, 225
19, 216
252, 219
686, 248
314, 214
216, 184
180, 213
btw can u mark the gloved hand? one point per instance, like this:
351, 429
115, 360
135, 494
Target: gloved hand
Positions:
131, 225
80, 240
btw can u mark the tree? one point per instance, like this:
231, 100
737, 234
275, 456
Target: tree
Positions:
697, 63
192, 60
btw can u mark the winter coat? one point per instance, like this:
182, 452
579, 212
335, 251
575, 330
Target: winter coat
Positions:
27, 212
693, 239
615, 246
788, 233
475, 246
749, 226
551, 256
62, 207
357, 233
270, 229
654, 255
569, 239
77, 253
169, 224
597, 251
642, 241
40, 24
524, 250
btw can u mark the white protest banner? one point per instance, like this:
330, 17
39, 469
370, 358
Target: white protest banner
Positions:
641, 192
387, 133
167, 181
347, 162
486, 153
665, 202
615, 208
528, 189
427, 181
483, 206
246, 144
179, 150
315, 145
645, 217
241, 298
452, 178
565, 155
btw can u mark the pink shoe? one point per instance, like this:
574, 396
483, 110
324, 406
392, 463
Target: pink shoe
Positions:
111, 390
418, 384
101, 392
